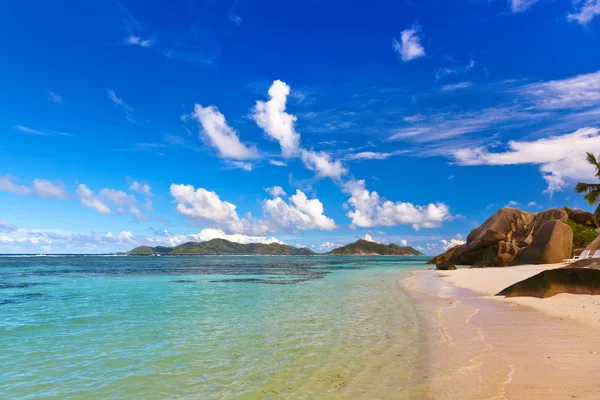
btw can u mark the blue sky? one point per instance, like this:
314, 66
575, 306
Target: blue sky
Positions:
128, 123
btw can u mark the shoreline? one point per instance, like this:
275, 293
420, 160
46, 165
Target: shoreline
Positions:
484, 347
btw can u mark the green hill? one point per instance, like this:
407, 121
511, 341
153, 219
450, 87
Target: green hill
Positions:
221, 247
365, 248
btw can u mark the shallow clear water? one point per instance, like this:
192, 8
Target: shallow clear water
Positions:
207, 327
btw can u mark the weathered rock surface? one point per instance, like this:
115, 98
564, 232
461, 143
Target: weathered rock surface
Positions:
507, 224
444, 265
595, 245
561, 280
552, 243
583, 218
551, 214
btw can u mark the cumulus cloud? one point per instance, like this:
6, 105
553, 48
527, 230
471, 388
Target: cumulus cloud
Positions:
208, 206
300, 213
559, 157
273, 119
118, 197
370, 210
46, 189
409, 46
89, 199
221, 136
447, 244
521, 5
275, 191
212, 233
42, 188
369, 238
141, 188
328, 246
321, 163
585, 11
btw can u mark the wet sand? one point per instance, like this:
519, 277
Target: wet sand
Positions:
485, 347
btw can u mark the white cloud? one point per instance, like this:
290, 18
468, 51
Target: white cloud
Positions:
513, 204
447, 244
246, 166
275, 191
30, 130
521, 5
321, 163
41, 187
119, 103
118, 197
532, 204
212, 233
221, 136
409, 47
403, 242
137, 41
575, 92
5, 226
328, 246
445, 126
46, 189
277, 163
54, 98
456, 86
369, 238
300, 213
372, 155
445, 71
586, 11
273, 119
7, 184
89, 199
369, 210
201, 203
555, 182
141, 188
559, 157
236, 19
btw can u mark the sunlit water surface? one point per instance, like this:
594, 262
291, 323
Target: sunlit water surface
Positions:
85, 327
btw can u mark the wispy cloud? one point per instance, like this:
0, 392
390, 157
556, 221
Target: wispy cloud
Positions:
120, 104
373, 155
456, 70
32, 131
521, 5
575, 92
585, 11
409, 46
137, 41
456, 86
54, 98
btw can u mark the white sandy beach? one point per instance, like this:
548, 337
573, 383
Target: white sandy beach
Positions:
488, 347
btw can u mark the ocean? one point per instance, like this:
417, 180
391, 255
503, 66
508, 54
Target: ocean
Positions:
210, 327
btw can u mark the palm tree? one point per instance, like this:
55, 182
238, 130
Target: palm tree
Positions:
591, 190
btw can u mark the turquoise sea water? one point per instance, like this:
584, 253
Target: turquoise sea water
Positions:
86, 327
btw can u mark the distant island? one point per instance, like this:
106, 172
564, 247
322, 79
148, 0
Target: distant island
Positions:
225, 247
366, 248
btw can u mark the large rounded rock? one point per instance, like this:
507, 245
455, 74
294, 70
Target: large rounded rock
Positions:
507, 224
552, 243
444, 265
452, 254
583, 218
561, 280
551, 214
